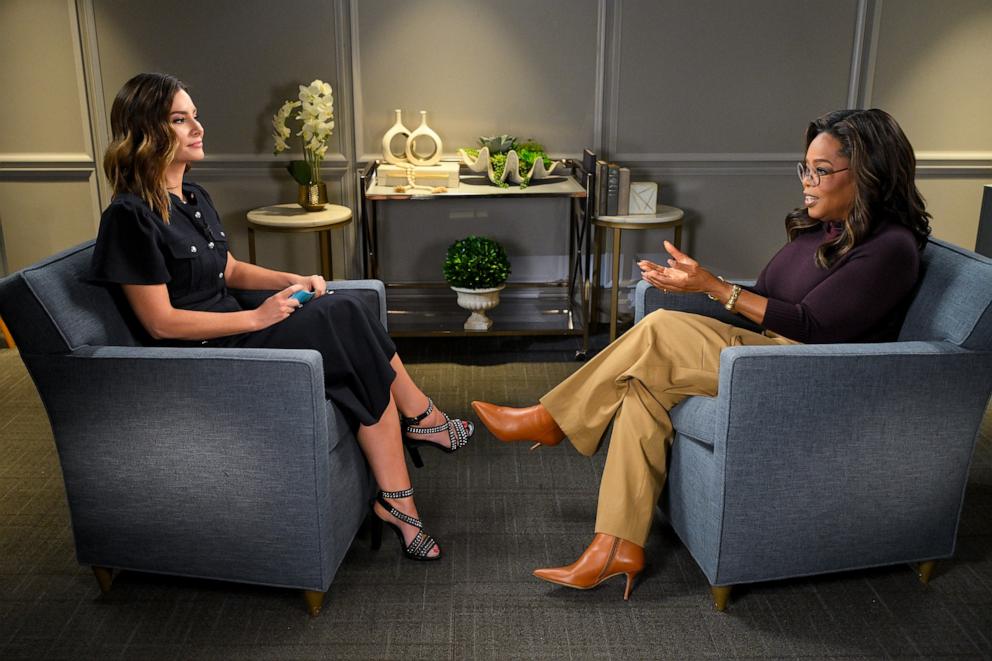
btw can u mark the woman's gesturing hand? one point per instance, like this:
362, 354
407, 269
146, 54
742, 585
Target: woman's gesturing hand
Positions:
683, 273
277, 307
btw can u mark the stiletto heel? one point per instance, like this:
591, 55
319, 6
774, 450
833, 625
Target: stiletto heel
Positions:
414, 454
422, 544
630, 584
376, 531
458, 435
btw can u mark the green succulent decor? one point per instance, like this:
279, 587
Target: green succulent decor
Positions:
499, 147
476, 262
498, 144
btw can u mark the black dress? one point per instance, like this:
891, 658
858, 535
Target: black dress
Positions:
188, 255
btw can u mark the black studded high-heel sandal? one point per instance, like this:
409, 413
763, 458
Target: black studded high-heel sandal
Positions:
458, 435
421, 545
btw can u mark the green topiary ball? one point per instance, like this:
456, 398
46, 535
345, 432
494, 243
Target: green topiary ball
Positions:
476, 262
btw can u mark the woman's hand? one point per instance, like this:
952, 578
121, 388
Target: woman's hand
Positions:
277, 307
314, 283
683, 274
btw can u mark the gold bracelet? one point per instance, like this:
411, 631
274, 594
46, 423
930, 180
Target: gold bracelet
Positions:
711, 296
732, 301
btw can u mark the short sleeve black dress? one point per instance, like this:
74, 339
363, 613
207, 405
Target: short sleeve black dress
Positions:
188, 255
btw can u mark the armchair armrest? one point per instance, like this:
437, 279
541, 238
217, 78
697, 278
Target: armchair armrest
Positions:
847, 388
371, 292
647, 299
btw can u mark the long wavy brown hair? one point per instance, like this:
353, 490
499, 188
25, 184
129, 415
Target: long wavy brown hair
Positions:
884, 168
142, 143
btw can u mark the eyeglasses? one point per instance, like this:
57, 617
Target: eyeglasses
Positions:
814, 174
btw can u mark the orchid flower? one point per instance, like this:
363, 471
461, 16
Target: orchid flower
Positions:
316, 117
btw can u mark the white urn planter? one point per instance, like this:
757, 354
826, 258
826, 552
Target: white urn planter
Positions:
478, 301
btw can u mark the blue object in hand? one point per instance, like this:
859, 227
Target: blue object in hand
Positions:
302, 296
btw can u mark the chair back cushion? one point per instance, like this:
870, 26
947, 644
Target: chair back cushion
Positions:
52, 307
953, 300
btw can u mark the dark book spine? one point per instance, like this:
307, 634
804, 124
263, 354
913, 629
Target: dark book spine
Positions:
589, 161
612, 189
601, 172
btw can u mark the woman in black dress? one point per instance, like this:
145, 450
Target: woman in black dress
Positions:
161, 239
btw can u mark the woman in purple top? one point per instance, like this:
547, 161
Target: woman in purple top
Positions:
845, 275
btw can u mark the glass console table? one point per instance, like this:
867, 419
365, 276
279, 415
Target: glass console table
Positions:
421, 309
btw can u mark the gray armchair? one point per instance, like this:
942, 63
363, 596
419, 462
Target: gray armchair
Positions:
823, 458
214, 463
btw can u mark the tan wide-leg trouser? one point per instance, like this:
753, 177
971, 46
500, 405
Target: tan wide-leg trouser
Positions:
635, 382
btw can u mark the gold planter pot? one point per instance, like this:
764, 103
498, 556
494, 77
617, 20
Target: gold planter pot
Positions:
313, 197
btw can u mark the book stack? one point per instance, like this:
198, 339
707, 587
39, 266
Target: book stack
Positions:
444, 173
612, 189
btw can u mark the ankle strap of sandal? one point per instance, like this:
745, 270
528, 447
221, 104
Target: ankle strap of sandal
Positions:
406, 493
416, 420
402, 516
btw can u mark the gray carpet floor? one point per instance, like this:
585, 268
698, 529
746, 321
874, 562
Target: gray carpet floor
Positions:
499, 511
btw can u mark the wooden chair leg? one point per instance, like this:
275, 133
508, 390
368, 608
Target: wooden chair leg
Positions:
315, 601
721, 595
924, 570
104, 577
7, 338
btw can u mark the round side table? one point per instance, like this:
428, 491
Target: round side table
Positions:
292, 218
665, 217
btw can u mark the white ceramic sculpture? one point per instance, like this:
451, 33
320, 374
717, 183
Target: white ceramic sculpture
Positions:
511, 171
478, 164
387, 141
423, 131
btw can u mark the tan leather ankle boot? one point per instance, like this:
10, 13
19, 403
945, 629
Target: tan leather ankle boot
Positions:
606, 557
528, 424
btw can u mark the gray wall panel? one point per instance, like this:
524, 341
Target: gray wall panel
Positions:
241, 58
955, 204
40, 103
932, 73
479, 68
722, 78
42, 217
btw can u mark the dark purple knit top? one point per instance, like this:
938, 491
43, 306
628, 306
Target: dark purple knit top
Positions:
861, 298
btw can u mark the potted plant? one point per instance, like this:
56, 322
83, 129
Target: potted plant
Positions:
316, 116
476, 268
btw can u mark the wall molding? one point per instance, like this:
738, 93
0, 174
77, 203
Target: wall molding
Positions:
871, 62
357, 98
91, 81
50, 160
43, 175
607, 108
46, 167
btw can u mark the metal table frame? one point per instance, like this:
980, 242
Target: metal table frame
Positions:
576, 186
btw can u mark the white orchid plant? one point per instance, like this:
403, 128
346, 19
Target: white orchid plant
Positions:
316, 114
